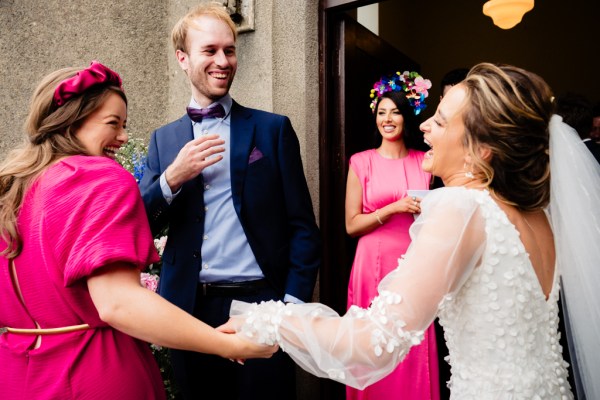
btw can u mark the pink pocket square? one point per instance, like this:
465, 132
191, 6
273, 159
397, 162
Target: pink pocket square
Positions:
255, 155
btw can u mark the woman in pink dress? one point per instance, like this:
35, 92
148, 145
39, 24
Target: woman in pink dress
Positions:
74, 237
380, 211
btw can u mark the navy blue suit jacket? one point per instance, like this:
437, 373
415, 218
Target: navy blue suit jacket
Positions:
270, 196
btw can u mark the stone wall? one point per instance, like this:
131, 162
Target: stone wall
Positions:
277, 71
38, 37
278, 61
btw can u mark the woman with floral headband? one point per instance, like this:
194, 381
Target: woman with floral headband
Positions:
380, 211
488, 256
74, 237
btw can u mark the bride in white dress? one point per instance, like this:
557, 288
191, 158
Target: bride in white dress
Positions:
486, 257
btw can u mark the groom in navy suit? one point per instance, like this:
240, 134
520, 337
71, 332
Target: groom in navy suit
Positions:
228, 183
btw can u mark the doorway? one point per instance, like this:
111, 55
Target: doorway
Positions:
352, 59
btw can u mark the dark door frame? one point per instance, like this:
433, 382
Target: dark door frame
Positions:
330, 147
349, 57
343, 47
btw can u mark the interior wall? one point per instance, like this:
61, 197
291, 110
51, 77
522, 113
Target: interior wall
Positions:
368, 16
557, 40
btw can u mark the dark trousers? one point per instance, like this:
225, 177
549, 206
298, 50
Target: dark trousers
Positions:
202, 376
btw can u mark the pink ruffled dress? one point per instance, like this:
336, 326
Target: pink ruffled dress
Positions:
384, 181
82, 214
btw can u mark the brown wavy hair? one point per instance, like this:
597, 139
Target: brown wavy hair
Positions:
49, 136
508, 111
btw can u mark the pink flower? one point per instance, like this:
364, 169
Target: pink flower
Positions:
149, 281
404, 77
421, 85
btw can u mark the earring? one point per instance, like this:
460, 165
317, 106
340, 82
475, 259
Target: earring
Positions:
468, 174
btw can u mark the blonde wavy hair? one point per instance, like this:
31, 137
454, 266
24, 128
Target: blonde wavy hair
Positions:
49, 136
508, 110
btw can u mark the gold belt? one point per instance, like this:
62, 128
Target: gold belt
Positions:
48, 331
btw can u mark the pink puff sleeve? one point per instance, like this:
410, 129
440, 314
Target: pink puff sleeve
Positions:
94, 216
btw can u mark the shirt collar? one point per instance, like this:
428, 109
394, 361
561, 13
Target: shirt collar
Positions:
226, 101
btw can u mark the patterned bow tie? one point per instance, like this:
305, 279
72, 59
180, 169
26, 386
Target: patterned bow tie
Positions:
197, 114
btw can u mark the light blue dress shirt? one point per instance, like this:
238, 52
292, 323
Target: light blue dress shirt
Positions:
226, 253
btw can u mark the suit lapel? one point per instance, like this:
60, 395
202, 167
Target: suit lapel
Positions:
242, 138
183, 132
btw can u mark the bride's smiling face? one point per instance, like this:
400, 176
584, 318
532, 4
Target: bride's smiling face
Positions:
444, 132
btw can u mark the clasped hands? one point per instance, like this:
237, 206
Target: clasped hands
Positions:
252, 349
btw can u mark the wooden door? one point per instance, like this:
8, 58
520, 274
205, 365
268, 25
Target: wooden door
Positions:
357, 59
353, 58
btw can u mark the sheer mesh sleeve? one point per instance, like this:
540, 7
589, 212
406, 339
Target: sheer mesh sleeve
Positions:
365, 345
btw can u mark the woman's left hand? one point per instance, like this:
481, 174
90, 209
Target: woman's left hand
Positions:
409, 204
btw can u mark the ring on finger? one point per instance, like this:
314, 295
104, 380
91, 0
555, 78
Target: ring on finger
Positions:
414, 198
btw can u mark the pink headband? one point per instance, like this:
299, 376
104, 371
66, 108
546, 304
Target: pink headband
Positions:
95, 74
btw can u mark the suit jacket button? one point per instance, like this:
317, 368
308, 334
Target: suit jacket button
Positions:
196, 254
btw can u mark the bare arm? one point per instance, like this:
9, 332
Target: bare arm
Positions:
357, 223
127, 306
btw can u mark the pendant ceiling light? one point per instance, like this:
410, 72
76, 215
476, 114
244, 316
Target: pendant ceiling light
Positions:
507, 13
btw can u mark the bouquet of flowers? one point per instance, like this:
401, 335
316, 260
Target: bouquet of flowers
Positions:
132, 156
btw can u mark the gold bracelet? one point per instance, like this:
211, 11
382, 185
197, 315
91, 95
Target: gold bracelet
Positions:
377, 216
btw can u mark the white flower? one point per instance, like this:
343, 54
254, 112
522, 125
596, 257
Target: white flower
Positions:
160, 244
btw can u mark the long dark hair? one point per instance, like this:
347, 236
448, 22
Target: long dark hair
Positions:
412, 136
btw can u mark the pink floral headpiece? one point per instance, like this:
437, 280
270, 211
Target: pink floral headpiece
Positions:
95, 74
410, 82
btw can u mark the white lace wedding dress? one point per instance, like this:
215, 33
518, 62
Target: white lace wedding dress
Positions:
467, 265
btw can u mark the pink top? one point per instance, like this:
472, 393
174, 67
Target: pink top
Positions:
384, 181
83, 213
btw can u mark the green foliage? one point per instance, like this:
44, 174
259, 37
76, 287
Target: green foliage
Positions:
161, 354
